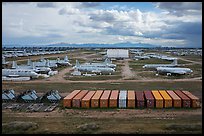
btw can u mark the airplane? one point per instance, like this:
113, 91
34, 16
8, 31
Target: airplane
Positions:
141, 57
19, 73
170, 71
154, 66
45, 63
62, 62
88, 68
106, 63
31, 65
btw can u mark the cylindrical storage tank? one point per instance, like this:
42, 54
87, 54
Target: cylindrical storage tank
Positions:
104, 99
186, 102
194, 100
67, 101
140, 101
95, 99
176, 101
113, 101
149, 99
167, 99
122, 99
131, 99
86, 101
158, 98
76, 101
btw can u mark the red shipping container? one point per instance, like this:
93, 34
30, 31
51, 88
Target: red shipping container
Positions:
104, 99
67, 101
140, 102
175, 99
113, 101
76, 101
186, 102
150, 102
95, 99
85, 102
194, 100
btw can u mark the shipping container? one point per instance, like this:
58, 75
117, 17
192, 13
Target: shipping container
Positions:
158, 99
95, 99
186, 102
122, 99
105, 98
140, 101
76, 101
86, 101
167, 99
67, 101
149, 99
131, 99
113, 101
194, 100
176, 100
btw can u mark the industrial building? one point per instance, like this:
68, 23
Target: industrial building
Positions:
118, 53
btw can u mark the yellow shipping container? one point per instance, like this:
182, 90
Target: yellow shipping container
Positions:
167, 99
158, 99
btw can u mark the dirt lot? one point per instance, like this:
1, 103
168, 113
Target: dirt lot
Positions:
110, 121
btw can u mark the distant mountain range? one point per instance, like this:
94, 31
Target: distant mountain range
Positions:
116, 45
91, 45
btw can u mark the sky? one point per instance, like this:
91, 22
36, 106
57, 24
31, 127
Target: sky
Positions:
174, 24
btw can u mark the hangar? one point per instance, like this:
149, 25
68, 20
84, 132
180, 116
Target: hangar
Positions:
118, 53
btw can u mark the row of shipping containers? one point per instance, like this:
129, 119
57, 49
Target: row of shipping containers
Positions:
130, 99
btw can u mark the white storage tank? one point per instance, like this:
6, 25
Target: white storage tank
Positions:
122, 98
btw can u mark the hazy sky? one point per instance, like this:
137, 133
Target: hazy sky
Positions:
163, 23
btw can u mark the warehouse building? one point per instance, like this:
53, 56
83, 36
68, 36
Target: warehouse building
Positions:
118, 53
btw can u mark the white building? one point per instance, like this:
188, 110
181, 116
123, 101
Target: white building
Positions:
117, 53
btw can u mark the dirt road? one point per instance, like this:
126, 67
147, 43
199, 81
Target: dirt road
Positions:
126, 72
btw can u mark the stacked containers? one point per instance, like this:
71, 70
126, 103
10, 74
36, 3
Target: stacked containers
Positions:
104, 99
194, 100
176, 101
95, 99
85, 102
140, 99
113, 101
186, 103
76, 101
122, 98
158, 99
149, 99
131, 99
67, 101
167, 99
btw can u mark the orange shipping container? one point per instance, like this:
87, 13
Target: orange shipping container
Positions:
158, 99
194, 100
67, 101
76, 101
113, 101
131, 99
176, 100
167, 99
95, 99
85, 102
104, 99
